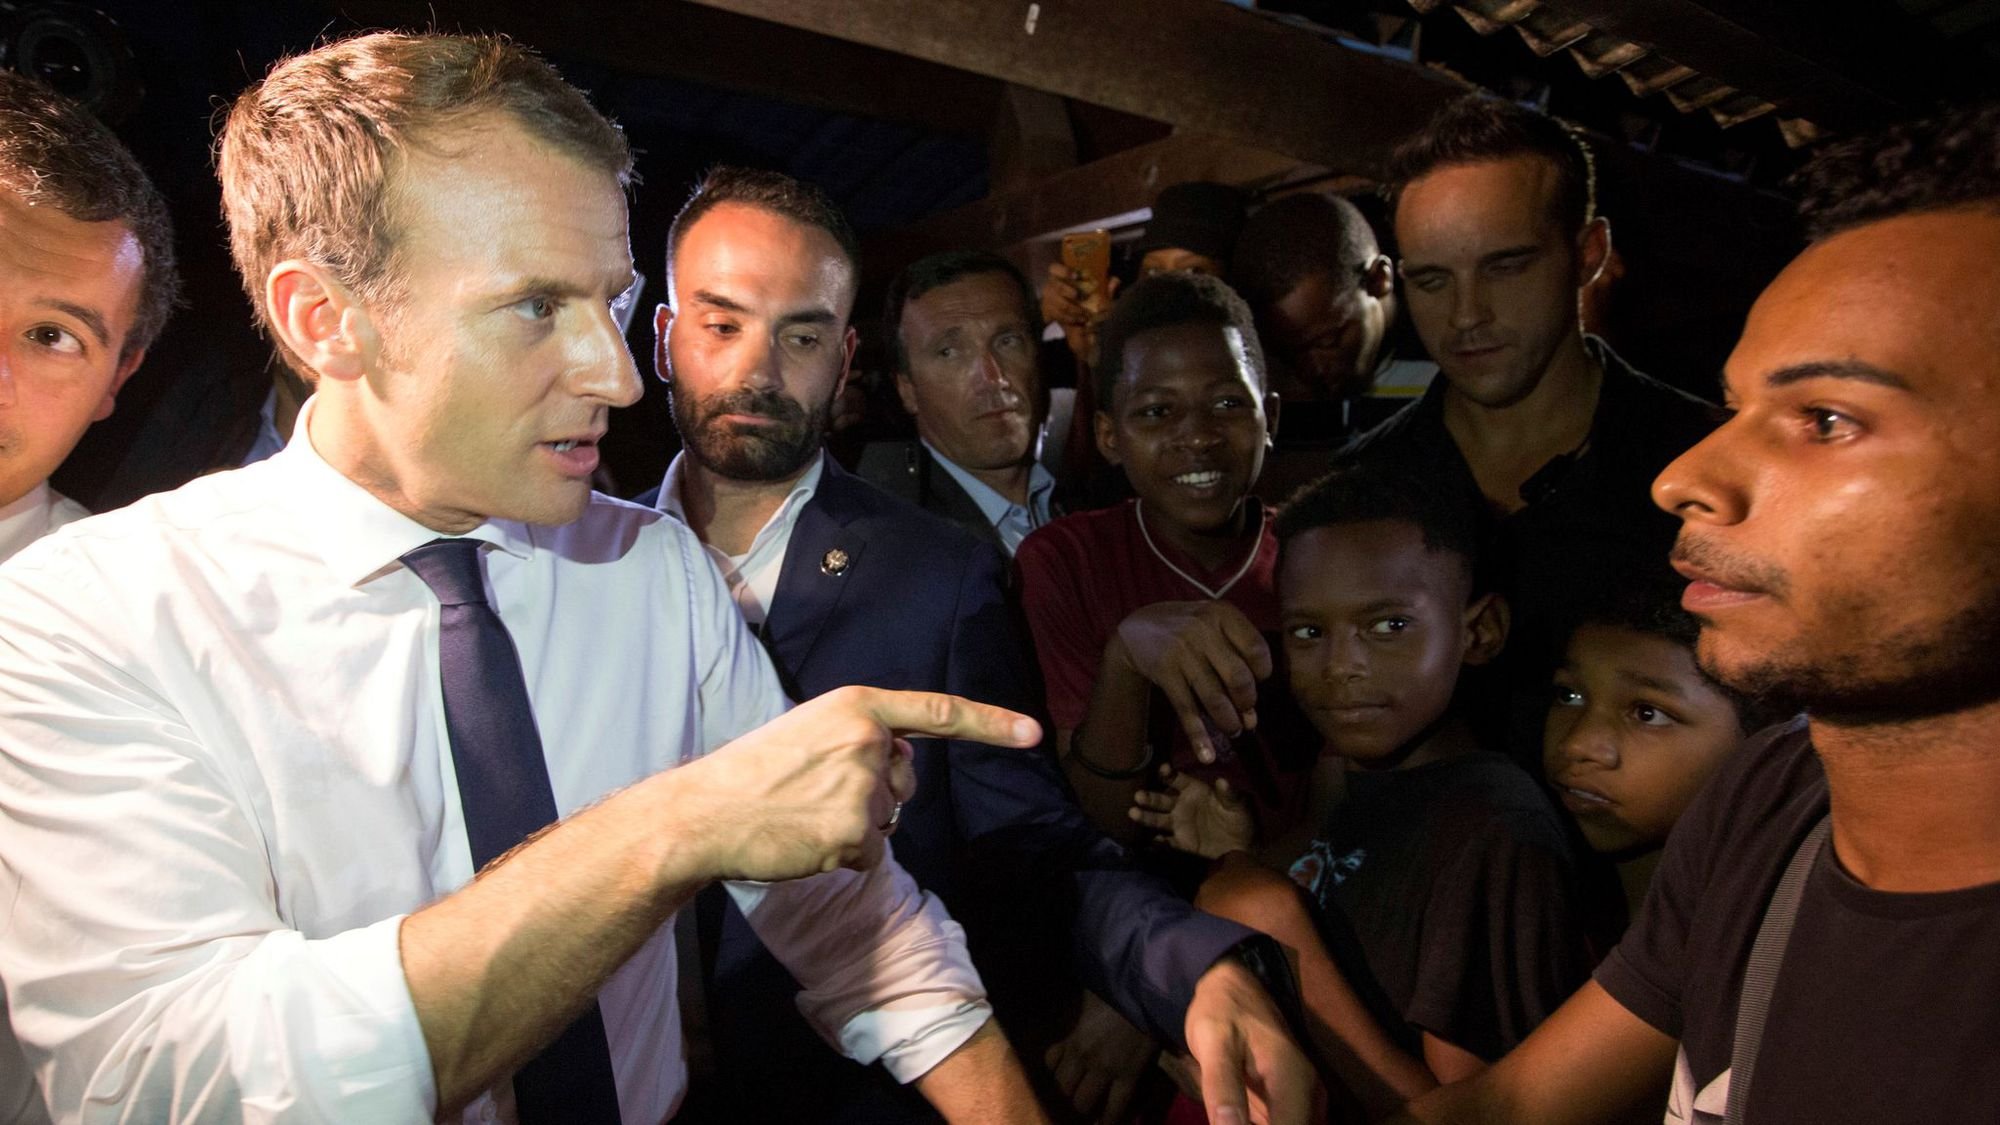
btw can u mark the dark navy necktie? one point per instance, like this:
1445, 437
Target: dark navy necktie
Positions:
503, 785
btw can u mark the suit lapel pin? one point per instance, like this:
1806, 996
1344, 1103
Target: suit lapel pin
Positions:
834, 562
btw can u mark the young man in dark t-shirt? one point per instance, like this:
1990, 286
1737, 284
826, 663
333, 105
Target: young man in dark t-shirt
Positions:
1914, 1018
1839, 536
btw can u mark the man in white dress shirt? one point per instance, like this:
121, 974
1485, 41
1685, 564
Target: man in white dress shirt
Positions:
86, 281
235, 874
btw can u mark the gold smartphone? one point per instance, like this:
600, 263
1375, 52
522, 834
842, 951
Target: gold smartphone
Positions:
1088, 254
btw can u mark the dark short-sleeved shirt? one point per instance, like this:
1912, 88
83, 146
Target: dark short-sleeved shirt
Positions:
1083, 574
1589, 525
1446, 896
1887, 1006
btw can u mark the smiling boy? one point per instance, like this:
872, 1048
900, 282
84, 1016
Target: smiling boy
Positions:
1172, 590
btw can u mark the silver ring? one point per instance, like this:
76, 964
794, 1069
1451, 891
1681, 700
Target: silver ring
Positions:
895, 818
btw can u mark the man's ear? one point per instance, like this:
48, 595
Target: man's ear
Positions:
1486, 622
1593, 249
906, 390
1271, 405
1378, 277
663, 322
1107, 437
848, 342
320, 320
127, 364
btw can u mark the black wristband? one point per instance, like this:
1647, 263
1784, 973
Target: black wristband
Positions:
1266, 960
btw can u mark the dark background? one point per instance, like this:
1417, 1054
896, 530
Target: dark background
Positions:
1696, 210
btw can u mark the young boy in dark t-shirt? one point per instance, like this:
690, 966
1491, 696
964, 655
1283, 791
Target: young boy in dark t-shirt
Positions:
1436, 925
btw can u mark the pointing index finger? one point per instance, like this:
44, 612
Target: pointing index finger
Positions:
938, 715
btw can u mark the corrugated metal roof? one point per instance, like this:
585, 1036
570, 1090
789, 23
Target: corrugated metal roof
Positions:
1810, 68
1547, 28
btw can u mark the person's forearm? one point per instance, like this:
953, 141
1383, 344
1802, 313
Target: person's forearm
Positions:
1112, 738
1463, 1103
496, 969
1381, 1074
982, 1082
1345, 1034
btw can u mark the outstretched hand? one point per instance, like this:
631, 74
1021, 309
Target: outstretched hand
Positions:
1205, 818
1206, 657
814, 789
1250, 1069
1099, 1064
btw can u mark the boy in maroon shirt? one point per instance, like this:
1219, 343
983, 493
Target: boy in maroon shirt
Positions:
1173, 590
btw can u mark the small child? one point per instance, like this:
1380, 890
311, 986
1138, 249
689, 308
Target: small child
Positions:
1435, 928
1634, 729
1168, 596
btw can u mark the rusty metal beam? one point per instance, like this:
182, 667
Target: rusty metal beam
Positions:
1196, 64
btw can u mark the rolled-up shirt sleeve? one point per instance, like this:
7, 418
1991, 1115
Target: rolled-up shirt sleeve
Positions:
885, 969
149, 970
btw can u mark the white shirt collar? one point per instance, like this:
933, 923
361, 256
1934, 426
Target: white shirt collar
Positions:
752, 577
39, 511
802, 491
358, 535
994, 506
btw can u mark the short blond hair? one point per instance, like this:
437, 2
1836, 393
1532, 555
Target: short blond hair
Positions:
306, 155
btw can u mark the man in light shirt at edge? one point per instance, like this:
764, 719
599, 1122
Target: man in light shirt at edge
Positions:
87, 280
236, 872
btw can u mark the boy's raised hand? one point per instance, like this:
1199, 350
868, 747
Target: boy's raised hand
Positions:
1064, 302
1206, 657
1209, 820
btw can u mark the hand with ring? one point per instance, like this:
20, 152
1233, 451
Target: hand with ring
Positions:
819, 787
900, 778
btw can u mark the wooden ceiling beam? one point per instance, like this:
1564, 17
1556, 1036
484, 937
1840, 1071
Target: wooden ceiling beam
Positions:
1195, 64
1083, 196
718, 48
